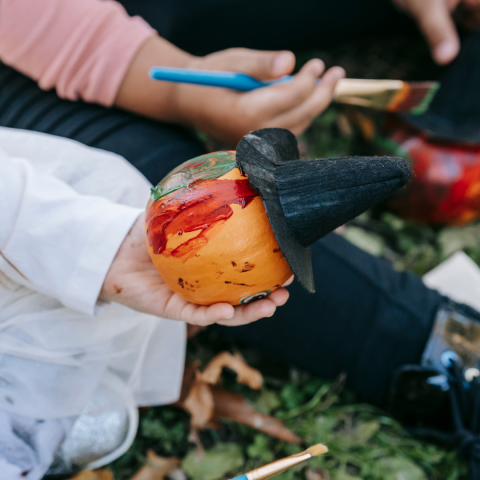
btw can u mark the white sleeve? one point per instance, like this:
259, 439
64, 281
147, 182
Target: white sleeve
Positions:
57, 241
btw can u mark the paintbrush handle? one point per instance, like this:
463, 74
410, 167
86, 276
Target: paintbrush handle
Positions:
279, 466
231, 80
245, 83
354, 86
274, 468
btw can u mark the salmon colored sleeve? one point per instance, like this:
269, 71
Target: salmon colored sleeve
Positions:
82, 48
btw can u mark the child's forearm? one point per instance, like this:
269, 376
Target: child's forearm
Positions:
140, 94
222, 113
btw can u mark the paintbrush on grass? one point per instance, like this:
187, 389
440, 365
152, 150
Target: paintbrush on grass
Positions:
283, 464
386, 95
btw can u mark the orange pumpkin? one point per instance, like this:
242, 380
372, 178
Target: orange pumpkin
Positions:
209, 236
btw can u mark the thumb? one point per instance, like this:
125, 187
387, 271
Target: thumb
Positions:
435, 21
263, 65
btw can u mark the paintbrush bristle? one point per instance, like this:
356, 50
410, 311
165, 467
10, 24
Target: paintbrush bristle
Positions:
414, 98
318, 449
283, 464
387, 95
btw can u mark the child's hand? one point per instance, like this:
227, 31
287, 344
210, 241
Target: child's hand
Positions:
134, 282
434, 18
228, 115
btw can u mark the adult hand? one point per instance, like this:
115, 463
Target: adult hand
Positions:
228, 115
133, 281
434, 18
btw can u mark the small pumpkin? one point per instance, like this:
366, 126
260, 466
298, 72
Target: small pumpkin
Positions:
232, 226
209, 236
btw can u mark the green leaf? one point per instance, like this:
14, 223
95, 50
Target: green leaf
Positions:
286, 475
370, 242
267, 401
170, 436
312, 403
291, 396
366, 430
260, 449
215, 464
319, 430
342, 474
454, 239
398, 468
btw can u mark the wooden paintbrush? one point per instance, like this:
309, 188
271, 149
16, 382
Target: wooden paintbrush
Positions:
386, 95
283, 464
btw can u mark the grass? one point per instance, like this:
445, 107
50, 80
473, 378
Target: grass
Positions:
365, 443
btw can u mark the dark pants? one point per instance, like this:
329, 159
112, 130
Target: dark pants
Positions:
365, 319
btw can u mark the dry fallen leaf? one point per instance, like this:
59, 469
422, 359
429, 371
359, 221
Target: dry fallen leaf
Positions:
156, 468
245, 374
206, 404
194, 437
234, 407
100, 474
199, 403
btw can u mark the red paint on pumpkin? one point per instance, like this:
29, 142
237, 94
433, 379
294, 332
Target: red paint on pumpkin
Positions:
189, 167
197, 207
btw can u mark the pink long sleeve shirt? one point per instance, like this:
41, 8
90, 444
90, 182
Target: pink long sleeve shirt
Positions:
82, 48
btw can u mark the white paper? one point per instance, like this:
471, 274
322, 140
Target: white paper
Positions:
458, 278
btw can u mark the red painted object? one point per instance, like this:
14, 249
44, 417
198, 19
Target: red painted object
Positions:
445, 185
196, 207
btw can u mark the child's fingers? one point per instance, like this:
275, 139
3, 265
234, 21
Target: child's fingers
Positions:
263, 65
226, 314
254, 311
281, 295
245, 314
277, 99
299, 118
206, 315
223, 313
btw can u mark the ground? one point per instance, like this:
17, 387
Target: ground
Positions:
365, 443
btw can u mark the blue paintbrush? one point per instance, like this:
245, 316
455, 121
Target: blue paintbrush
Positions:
232, 80
283, 464
390, 95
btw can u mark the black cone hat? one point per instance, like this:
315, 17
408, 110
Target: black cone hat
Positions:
454, 113
306, 199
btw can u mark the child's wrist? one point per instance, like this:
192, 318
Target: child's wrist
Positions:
184, 108
140, 94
